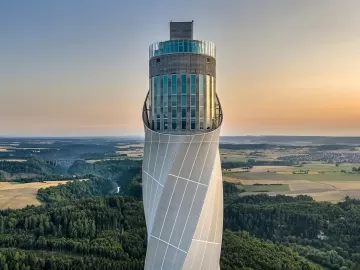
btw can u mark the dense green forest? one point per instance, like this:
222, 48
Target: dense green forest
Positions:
242, 251
29, 166
325, 233
108, 229
99, 224
77, 189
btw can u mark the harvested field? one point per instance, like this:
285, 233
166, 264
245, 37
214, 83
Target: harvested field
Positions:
259, 176
294, 185
354, 194
336, 177
328, 196
270, 182
343, 185
21, 195
126, 146
266, 188
231, 179
271, 168
132, 153
303, 185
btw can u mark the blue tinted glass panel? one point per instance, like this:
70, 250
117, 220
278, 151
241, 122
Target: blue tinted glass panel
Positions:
193, 112
165, 101
193, 124
183, 124
183, 100
158, 124
165, 124
186, 48
180, 46
173, 100
183, 113
166, 112
173, 84
193, 84
158, 86
193, 100
173, 112
165, 79
173, 124
183, 84
153, 105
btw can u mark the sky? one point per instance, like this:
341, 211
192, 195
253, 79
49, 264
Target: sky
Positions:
77, 68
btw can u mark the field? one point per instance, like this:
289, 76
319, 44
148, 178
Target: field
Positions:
323, 181
20, 195
266, 187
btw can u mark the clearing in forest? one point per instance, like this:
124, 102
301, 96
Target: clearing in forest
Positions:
14, 195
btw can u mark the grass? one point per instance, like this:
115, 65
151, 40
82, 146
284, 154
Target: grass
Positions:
266, 188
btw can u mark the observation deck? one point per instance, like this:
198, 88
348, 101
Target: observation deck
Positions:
182, 46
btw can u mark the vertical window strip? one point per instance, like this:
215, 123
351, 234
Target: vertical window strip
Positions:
183, 84
158, 96
201, 101
212, 99
173, 84
193, 84
165, 85
207, 101
173, 101
183, 100
153, 105
165, 100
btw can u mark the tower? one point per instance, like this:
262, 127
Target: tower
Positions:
182, 180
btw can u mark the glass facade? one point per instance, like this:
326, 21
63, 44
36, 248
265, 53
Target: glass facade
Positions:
182, 102
182, 46
165, 101
201, 102
193, 101
174, 101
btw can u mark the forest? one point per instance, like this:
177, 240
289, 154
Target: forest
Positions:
87, 225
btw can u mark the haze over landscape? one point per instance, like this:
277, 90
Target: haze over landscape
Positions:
79, 67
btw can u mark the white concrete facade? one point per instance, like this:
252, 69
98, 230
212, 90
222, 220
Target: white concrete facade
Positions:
183, 200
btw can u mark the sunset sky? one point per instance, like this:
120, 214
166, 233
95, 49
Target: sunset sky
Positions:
284, 67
